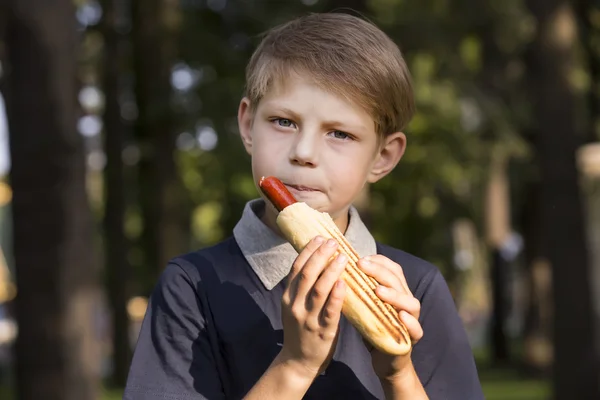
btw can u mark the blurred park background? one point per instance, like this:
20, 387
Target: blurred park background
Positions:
119, 150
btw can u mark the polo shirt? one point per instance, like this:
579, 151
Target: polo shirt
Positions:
213, 324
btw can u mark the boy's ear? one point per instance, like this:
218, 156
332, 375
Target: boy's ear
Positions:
245, 116
390, 152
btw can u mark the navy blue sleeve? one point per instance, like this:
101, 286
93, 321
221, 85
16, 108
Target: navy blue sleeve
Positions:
173, 358
443, 358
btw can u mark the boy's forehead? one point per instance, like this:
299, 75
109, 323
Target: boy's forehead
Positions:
283, 94
282, 83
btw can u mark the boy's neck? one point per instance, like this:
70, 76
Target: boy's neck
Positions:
269, 218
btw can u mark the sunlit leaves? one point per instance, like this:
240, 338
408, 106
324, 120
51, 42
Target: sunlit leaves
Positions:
243, 186
470, 53
206, 226
442, 172
134, 223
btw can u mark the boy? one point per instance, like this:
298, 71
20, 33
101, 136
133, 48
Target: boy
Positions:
327, 98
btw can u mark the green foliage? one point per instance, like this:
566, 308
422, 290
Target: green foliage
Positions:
456, 128
466, 58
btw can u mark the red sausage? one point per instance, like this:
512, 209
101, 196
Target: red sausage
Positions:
276, 192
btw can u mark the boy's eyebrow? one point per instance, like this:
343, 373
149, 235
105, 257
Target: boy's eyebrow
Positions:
352, 127
287, 111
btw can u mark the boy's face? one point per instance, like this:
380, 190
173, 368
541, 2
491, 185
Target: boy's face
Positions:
321, 146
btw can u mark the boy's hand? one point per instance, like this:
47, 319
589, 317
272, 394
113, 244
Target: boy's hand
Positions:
394, 290
311, 307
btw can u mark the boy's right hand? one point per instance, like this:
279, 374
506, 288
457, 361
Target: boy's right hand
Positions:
311, 307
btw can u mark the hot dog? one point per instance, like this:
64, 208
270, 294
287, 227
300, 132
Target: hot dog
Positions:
378, 322
276, 192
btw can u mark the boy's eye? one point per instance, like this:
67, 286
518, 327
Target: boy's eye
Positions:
286, 123
340, 135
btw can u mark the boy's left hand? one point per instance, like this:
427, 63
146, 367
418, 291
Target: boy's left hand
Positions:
394, 290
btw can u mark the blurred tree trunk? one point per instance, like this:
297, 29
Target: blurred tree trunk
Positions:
497, 202
537, 331
585, 10
115, 245
498, 231
56, 353
161, 195
3, 20
552, 58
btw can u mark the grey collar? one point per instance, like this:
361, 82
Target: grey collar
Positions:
271, 256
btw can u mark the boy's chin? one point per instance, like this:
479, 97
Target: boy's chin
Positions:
324, 208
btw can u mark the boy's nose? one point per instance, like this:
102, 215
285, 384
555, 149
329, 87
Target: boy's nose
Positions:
305, 150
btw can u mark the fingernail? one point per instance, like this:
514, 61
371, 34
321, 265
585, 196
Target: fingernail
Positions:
341, 258
331, 243
383, 290
318, 240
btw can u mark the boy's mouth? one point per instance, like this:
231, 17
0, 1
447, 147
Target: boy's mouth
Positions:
300, 188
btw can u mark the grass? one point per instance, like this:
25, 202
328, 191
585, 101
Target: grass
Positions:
4, 393
507, 383
112, 395
498, 384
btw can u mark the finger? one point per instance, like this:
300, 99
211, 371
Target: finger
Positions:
401, 302
414, 328
299, 262
332, 311
383, 275
324, 284
395, 268
313, 267
304, 255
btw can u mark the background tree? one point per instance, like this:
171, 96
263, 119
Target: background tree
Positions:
552, 58
161, 198
118, 274
56, 263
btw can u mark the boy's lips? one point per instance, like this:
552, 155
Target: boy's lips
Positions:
301, 188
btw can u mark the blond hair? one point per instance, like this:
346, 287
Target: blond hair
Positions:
342, 54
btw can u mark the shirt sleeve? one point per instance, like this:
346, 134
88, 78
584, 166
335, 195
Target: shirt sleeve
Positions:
173, 358
443, 358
